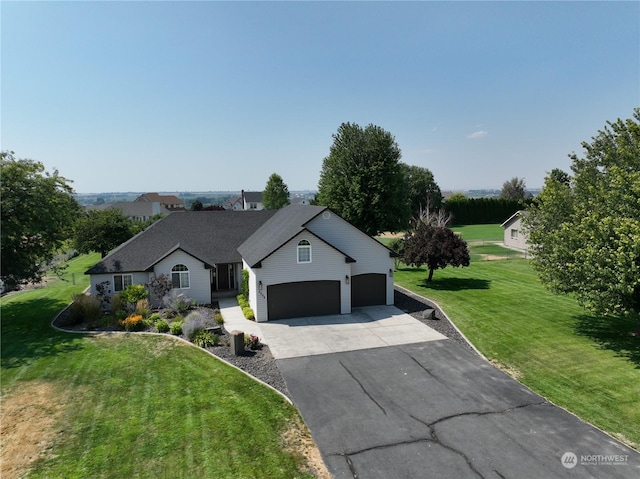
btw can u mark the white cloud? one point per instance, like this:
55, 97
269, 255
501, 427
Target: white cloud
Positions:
477, 135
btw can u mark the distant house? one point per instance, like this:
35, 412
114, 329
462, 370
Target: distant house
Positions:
299, 200
135, 210
301, 260
514, 236
252, 200
233, 204
170, 202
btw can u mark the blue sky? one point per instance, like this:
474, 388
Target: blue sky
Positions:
200, 96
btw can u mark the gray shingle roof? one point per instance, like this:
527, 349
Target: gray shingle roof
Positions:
211, 236
282, 227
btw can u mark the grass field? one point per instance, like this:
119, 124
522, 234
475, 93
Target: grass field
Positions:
588, 364
114, 406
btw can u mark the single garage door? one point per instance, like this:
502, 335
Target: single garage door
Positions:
306, 298
368, 289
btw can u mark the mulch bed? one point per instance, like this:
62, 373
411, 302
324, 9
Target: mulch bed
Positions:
261, 364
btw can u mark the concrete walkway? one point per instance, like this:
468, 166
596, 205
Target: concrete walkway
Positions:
234, 320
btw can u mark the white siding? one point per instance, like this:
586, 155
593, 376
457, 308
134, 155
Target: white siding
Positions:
199, 277
370, 255
514, 237
136, 278
283, 267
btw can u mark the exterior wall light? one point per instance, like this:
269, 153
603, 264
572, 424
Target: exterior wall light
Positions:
259, 285
390, 273
346, 279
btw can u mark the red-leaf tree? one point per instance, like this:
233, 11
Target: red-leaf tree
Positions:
435, 246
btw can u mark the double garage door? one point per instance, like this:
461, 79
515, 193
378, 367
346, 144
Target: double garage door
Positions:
319, 298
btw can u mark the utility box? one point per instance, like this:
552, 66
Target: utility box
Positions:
237, 343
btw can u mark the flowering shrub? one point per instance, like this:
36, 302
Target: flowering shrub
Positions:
133, 322
252, 341
195, 322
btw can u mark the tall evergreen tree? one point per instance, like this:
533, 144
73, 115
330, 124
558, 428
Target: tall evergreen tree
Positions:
276, 193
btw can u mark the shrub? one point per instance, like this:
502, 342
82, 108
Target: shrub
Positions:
252, 341
133, 322
177, 302
143, 308
204, 339
176, 328
155, 317
245, 284
162, 326
133, 293
116, 303
121, 314
84, 308
195, 322
248, 313
218, 319
242, 301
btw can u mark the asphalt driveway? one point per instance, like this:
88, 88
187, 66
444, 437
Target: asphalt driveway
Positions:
436, 410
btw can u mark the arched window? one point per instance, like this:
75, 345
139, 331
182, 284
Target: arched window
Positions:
304, 251
180, 276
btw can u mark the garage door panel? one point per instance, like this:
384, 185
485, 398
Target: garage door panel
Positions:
368, 289
307, 298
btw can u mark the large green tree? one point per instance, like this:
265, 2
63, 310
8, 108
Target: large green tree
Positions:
513, 189
422, 190
102, 230
276, 193
38, 212
362, 179
584, 228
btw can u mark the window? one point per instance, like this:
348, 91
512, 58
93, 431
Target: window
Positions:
304, 252
180, 276
514, 234
121, 281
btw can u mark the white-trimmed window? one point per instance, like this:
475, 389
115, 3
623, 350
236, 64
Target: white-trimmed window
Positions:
121, 281
304, 251
180, 276
514, 234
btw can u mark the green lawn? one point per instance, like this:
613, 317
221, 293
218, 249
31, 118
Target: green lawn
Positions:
138, 406
585, 363
487, 233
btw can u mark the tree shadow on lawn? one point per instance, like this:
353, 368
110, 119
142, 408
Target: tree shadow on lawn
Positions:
27, 333
613, 333
446, 284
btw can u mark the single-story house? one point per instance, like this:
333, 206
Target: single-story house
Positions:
301, 260
514, 236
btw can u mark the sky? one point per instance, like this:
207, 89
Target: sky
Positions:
217, 96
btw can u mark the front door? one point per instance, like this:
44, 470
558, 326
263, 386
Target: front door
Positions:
224, 276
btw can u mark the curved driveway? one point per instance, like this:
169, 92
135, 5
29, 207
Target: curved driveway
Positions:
433, 409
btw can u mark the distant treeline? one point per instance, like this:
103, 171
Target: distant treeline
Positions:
475, 211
